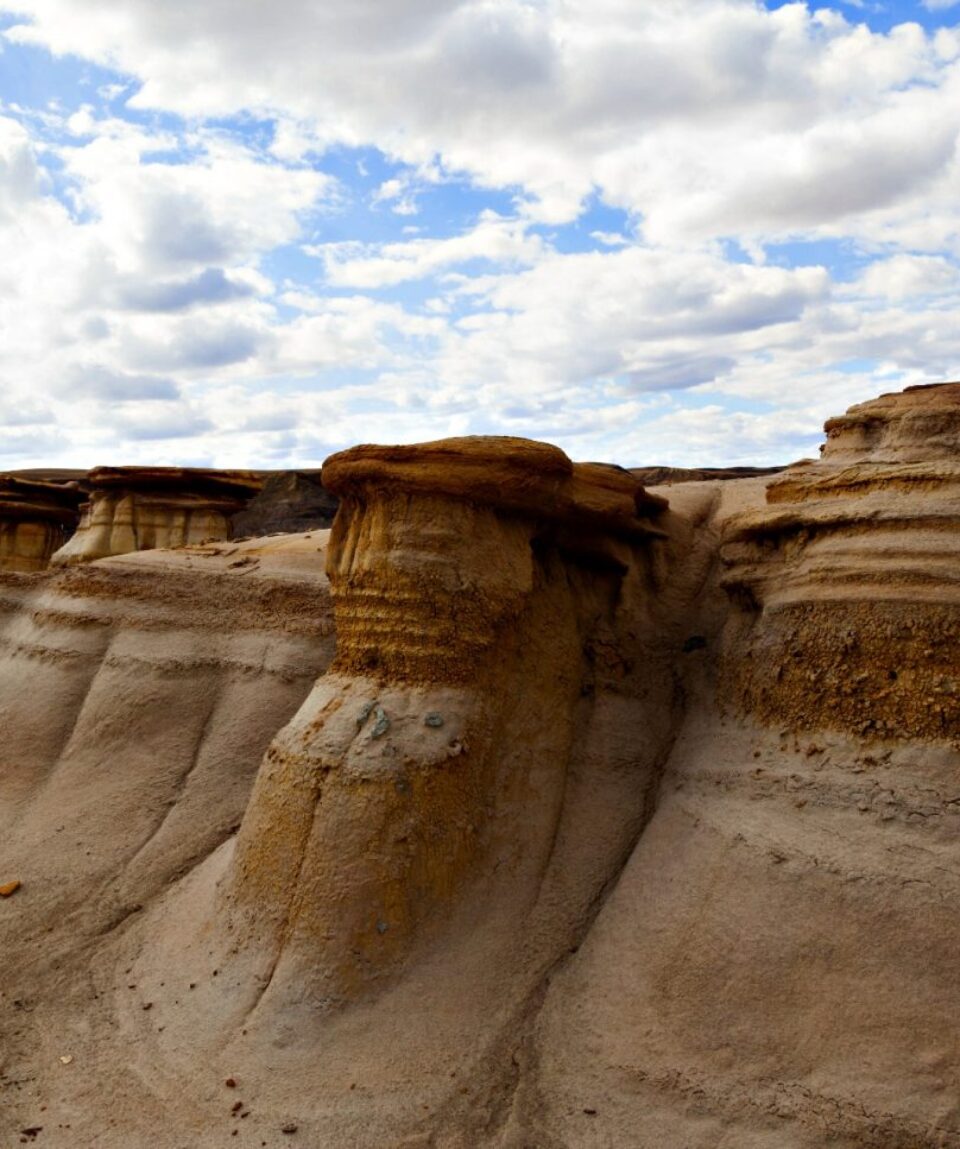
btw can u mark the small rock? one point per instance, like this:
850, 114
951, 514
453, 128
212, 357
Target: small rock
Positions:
381, 722
288, 1128
66, 1059
9, 888
231, 1083
433, 719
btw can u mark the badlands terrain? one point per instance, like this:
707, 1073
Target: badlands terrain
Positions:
529, 806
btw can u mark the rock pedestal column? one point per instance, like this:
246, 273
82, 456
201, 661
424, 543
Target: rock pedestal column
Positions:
466, 577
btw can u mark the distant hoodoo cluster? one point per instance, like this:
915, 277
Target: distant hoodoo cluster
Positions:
121, 510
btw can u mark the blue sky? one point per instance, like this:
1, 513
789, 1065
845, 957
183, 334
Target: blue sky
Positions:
684, 232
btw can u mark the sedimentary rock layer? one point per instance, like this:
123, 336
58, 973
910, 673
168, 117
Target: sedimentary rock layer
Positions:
449, 564
36, 518
133, 509
847, 577
654, 476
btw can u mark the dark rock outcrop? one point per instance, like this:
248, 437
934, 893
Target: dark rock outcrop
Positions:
665, 476
290, 502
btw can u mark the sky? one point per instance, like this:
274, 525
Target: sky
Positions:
242, 233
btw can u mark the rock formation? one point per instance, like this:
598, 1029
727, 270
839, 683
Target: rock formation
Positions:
36, 518
290, 502
852, 564
609, 823
667, 476
140, 508
447, 564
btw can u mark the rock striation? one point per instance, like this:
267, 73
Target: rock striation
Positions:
36, 519
450, 564
847, 577
131, 509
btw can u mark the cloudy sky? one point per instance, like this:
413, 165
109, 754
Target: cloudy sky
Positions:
252, 232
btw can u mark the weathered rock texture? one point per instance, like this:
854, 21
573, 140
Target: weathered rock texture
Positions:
36, 518
542, 859
133, 509
450, 563
853, 565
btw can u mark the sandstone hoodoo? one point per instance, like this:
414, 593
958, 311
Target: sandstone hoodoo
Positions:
453, 567
36, 519
852, 564
443, 813
132, 509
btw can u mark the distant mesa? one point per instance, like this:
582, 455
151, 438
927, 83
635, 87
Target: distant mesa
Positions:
36, 519
666, 476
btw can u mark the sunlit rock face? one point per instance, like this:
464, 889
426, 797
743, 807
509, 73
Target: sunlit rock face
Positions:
36, 518
847, 578
475, 587
142, 508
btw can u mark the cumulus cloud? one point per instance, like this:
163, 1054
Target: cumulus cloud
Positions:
207, 287
94, 381
493, 240
219, 281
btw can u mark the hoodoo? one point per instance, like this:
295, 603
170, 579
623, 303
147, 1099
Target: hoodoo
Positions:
141, 508
852, 564
442, 815
36, 518
452, 565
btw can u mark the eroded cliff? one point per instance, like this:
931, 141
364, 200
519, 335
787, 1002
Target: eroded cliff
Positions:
609, 823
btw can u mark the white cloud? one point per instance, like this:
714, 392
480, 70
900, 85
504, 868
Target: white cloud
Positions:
136, 285
494, 239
